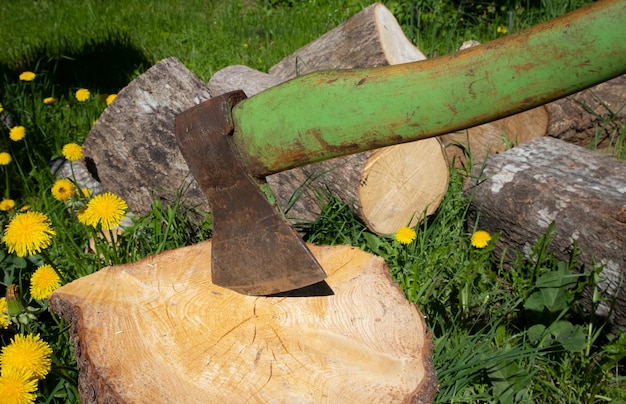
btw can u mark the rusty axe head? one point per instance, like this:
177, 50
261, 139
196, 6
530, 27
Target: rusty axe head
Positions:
254, 250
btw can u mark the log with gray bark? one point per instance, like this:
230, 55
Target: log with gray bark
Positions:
522, 191
132, 148
370, 38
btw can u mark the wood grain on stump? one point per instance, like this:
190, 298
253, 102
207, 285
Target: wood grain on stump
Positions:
159, 331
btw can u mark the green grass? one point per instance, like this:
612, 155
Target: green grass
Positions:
98, 39
514, 332
502, 331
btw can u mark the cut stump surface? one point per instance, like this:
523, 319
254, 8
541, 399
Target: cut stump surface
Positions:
158, 331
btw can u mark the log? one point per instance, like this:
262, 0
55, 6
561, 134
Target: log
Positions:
522, 191
132, 147
468, 148
387, 188
370, 38
238, 77
159, 331
592, 117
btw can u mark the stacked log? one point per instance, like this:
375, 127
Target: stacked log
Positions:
523, 191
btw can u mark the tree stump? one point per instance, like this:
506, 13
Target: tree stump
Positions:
522, 191
159, 331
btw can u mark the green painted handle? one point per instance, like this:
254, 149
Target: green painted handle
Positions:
337, 112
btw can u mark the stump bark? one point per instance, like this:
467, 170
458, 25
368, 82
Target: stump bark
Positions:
159, 331
522, 191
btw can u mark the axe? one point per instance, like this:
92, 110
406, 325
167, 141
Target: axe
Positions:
232, 142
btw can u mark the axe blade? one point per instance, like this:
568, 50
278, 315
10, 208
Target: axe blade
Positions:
254, 250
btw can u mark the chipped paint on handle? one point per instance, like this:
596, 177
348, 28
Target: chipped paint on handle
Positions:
337, 112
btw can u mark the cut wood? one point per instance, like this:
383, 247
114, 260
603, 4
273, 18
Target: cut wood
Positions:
158, 331
470, 147
523, 190
132, 148
592, 117
370, 38
400, 185
467, 148
387, 189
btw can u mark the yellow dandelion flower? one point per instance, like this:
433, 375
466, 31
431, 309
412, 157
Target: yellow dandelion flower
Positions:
49, 100
17, 387
502, 29
86, 192
63, 189
72, 151
107, 209
28, 233
44, 281
110, 98
7, 204
17, 133
82, 94
4, 313
1, 108
24, 208
27, 76
405, 235
480, 239
29, 354
5, 158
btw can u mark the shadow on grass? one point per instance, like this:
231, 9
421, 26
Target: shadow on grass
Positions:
103, 65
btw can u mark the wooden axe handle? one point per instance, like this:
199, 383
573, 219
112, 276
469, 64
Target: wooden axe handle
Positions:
332, 113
